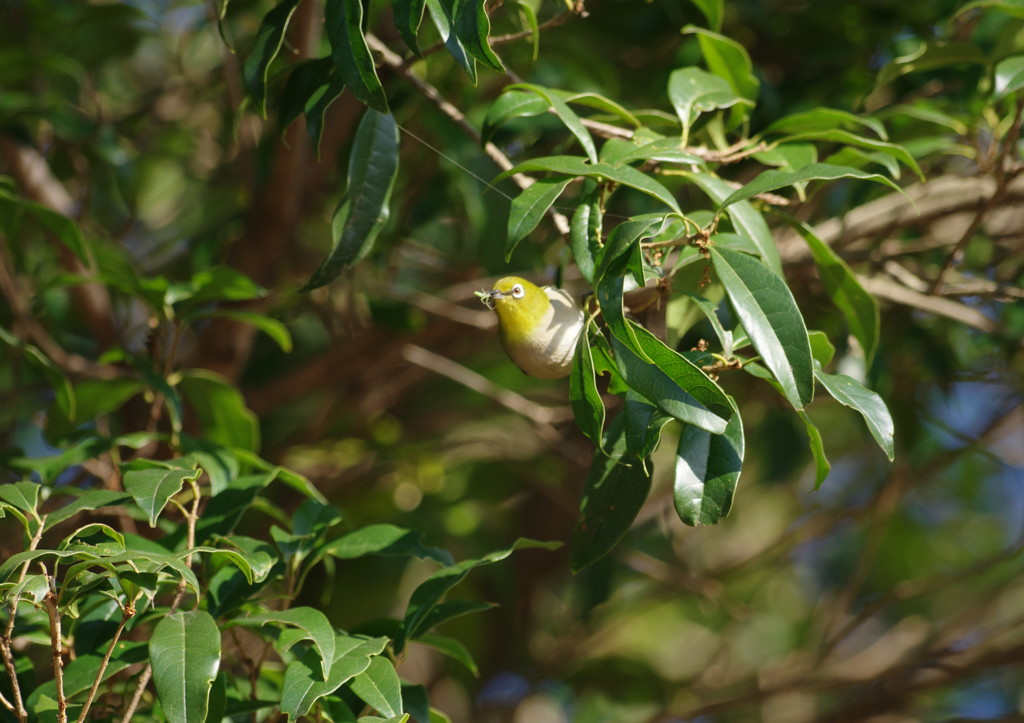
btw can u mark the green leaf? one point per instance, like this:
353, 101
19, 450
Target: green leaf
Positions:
823, 119
585, 234
853, 394
314, 625
451, 609
352, 58
453, 648
694, 91
273, 328
625, 235
616, 487
529, 16
822, 349
90, 500
727, 59
472, 26
1009, 76
1011, 7
153, 488
185, 653
21, 495
379, 687
225, 509
662, 150
362, 213
221, 283
772, 320
64, 392
429, 593
303, 685
745, 218
859, 308
268, 44
931, 55
672, 382
577, 166
840, 136
601, 103
707, 470
565, 114
772, 180
442, 14
311, 89
512, 103
586, 401
821, 463
93, 398
529, 207
386, 540
713, 10
644, 424
408, 14
220, 409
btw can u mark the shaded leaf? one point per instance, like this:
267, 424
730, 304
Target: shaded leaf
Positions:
772, 180
840, 136
823, 119
362, 213
352, 58
408, 14
314, 625
1009, 76
565, 114
441, 12
694, 91
821, 463
707, 470
512, 103
930, 55
269, 39
772, 320
472, 26
452, 647
585, 234
386, 540
616, 487
221, 410
727, 59
584, 396
303, 684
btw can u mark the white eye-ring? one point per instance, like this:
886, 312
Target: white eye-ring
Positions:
518, 292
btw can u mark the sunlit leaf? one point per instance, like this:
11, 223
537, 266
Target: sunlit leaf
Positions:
694, 91
529, 207
152, 489
707, 470
352, 58
848, 391
379, 687
565, 114
772, 180
184, 650
303, 683
1009, 76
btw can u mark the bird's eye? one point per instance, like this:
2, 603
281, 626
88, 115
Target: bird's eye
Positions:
518, 292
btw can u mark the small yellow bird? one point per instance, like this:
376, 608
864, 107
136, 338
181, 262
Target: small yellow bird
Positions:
538, 327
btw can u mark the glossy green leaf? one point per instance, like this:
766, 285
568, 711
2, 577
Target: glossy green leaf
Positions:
565, 114
311, 89
859, 308
89, 500
727, 59
584, 396
529, 207
429, 593
1009, 76
379, 687
931, 55
840, 136
745, 218
577, 166
352, 58
529, 17
273, 328
853, 394
822, 349
79, 673
152, 489
707, 470
442, 15
662, 150
386, 540
772, 320
694, 91
303, 684
623, 237
821, 464
824, 119
21, 495
451, 609
601, 103
609, 292
713, 10
225, 509
788, 156
185, 653
644, 424
313, 624
269, 39
511, 104
472, 26
93, 398
362, 213
408, 14
452, 647
616, 487
672, 383
772, 180
585, 234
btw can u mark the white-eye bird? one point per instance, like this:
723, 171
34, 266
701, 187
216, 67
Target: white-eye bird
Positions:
538, 327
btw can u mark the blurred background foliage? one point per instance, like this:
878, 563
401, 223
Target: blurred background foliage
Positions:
892, 593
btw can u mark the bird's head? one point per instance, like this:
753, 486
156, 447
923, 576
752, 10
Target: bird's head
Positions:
520, 305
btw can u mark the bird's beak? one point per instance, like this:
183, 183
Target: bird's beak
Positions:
488, 297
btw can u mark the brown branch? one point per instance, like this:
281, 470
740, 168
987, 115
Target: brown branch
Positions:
127, 614
56, 649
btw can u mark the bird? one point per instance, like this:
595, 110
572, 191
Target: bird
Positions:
538, 326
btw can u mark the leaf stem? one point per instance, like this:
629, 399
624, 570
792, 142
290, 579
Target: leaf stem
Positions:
127, 614
56, 657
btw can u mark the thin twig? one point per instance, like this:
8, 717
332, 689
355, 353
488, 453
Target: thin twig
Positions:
56, 655
127, 614
5, 641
